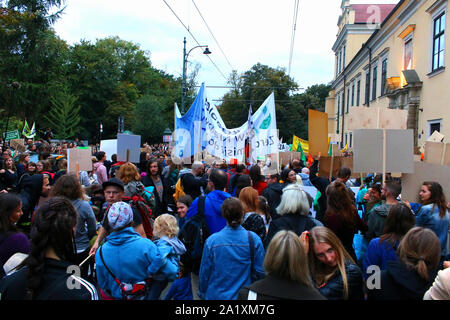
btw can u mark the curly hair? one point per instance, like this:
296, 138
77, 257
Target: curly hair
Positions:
165, 225
67, 186
52, 227
128, 172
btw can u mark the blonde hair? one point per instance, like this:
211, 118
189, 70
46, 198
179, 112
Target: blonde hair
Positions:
128, 172
325, 235
286, 258
294, 201
165, 225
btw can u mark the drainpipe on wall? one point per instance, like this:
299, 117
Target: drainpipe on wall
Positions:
343, 113
370, 75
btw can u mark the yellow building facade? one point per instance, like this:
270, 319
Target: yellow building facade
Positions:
392, 56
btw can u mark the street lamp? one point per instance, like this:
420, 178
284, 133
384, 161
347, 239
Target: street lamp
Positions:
183, 83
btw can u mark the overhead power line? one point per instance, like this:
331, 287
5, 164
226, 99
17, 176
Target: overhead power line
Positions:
193, 37
294, 28
209, 29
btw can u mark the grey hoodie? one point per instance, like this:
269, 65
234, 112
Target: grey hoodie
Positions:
133, 188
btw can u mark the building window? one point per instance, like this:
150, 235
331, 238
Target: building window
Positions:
348, 100
353, 94
338, 112
383, 76
407, 64
358, 93
343, 58
434, 125
438, 41
351, 140
374, 83
367, 88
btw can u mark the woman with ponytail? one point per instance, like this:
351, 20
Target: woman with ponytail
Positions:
227, 264
47, 272
409, 278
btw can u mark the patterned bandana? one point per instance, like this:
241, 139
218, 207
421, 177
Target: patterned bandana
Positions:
120, 215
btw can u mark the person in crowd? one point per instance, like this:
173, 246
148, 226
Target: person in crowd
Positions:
377, 216
31, 168
129, 175
9, 178
334, 271
287, 272
100, 168
440, 290
143, 158
233, 256
433, 213
252, 217
47, 169
293, 211
371, 199
88, 178
341, 216
383, 249
11, 240
258, 182
288, 176
43, 275
183, 204
264, 209
273, 193
68, 186
31, 190
193, 180
234, 178
62, 170
296, 165
165, 231
128, 256
114, 191
181, 288
304, 174
24, 158
243, 181
161, 186
412, 275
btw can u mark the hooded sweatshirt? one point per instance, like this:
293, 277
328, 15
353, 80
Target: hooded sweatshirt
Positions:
133, 188
398, 282
376, 220
170, 249
30, 192
100, 171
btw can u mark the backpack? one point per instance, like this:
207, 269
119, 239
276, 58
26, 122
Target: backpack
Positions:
179, 192
145, 211
193, 235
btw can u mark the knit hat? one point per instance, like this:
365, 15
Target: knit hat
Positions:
120, 215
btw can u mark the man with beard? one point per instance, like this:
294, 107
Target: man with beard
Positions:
161, 186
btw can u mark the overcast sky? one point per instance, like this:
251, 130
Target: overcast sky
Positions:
248, 31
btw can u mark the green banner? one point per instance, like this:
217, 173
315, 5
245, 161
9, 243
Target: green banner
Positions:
10, 135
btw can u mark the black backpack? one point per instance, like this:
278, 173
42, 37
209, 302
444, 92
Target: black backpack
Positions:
193, 235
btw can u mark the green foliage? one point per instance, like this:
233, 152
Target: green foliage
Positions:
149, 120
64, 116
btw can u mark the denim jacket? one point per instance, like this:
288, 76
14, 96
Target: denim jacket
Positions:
225, 266
427, 219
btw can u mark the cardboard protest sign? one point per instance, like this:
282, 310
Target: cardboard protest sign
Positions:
109, 147
18, 144
400, 151
436, 137
287, 157
377, 118
423, 171
325, 166
317, 132
368, 150
128, 147
433, 152
79, 158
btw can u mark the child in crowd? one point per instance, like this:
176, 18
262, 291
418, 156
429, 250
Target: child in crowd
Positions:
165, 231
181, 288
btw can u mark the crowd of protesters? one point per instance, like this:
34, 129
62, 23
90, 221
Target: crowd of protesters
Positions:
161, 230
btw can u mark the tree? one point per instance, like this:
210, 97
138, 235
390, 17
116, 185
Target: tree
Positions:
64, 117
149, 119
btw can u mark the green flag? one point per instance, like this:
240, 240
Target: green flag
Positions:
26, 129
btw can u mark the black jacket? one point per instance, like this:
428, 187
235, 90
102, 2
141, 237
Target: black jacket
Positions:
30, 192
321, 185
291, 222
54, 287
273, 194
334, 288
276, 288
398, 282
160, 204
191, 184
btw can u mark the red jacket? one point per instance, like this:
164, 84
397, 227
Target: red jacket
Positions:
260, 186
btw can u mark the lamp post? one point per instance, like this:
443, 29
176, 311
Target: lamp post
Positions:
183, 83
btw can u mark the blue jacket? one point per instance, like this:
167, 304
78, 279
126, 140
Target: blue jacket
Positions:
130, 257
427, 219
305, 180
181, 289
334, 288
379, 253
225, 267
170, 250
213, 212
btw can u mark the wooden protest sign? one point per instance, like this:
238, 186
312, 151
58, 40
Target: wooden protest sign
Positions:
128, 147
79, 159
423, 171
109, 147
18, 144
317, 132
